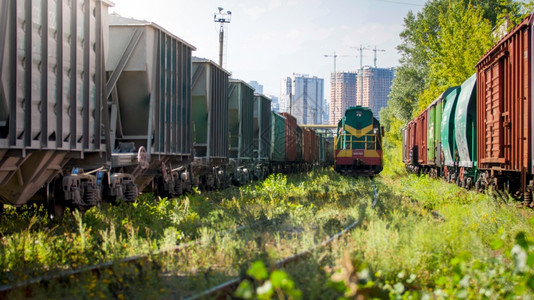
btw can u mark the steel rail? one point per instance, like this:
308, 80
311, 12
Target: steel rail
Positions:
228, 287
6, 289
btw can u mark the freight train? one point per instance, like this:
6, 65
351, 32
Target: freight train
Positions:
96, 107
480, 134
358, 143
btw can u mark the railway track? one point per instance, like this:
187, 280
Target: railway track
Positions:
27, 285
224, 290
267, 227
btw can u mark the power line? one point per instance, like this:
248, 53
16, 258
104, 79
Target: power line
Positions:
399, 2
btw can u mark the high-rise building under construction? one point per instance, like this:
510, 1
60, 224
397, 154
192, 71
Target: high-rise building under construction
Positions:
373, 87
342, 94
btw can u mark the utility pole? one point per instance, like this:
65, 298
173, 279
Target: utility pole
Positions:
222, 17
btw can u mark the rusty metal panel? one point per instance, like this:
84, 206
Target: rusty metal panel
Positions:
291, 137
404, 132
315, 146
306, 144
299, 141
421, 138
410, 148
504, 104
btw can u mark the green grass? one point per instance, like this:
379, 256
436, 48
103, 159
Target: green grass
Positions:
305, 207
425, 239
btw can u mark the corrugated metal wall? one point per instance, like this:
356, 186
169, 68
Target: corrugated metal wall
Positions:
262, 126
210, 109
240, 120
51, 59
278, 137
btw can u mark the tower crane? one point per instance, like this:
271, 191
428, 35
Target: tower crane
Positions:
361, 48
377, 50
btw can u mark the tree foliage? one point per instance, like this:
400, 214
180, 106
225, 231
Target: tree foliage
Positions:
464, 36
440, 48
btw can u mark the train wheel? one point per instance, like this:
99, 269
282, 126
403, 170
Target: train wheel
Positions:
469, 183
54, 204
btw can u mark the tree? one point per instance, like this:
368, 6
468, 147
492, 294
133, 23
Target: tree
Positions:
464, 36
436, 54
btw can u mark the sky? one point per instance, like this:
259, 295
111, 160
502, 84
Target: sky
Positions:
268, 39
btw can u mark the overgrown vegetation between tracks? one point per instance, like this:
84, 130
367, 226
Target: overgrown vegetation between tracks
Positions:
289, 213
425, 239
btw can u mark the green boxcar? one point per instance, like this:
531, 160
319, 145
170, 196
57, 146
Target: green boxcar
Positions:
278, 138
322, 155
262, 127
210, 109
465, 124
240, 120
431, 133
448, 140
435, 118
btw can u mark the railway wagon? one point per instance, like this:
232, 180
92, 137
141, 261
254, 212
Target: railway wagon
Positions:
321, 155
307, 145
432, 132
465, 133
358, 143
291, 142
329, 151
456, 148
51, 92
421, 138
504, 113
449, 151
409, 148
315, 147
240, 126
277, 152
435, 114
262, 135
209, 90
300, 140
149, 72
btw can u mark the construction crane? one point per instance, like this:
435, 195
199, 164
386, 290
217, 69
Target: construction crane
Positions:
377, 50
360, 75
361, 48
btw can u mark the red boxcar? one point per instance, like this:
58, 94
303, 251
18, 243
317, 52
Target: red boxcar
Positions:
306, 144
291, 137
421, 138
504, 110
315, 146
409, 143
